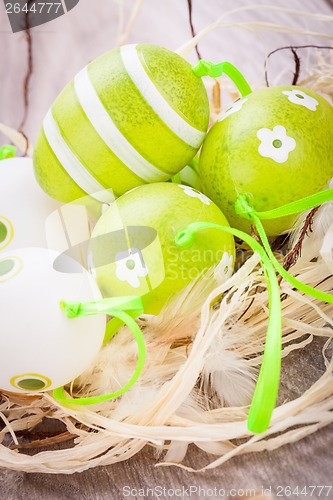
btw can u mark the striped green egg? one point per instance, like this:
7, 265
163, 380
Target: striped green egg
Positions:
135, 115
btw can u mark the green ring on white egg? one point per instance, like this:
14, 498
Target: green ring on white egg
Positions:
6, 232
3, 232
30, 382
135, 115
43, 349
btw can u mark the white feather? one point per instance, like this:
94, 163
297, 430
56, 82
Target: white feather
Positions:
227, 374
314, 239
326, 251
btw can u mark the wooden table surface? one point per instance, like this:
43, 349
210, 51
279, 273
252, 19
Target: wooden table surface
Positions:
59, 50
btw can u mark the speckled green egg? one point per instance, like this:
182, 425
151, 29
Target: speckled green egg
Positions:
133, 250
274, 146
135, 115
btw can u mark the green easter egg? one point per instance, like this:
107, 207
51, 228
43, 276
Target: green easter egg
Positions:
135, 115
133, 250
274, 146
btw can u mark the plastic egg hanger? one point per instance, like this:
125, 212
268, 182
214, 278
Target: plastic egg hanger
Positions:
124, 309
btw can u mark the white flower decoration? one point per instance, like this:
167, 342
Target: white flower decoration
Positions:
233, 109
194, 193
300, 97
275, 144
130, 267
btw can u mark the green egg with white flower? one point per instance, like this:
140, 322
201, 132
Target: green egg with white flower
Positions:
274, 146
133, 249
137, 114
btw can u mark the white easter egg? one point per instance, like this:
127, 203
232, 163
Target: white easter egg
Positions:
24, 207
41, 348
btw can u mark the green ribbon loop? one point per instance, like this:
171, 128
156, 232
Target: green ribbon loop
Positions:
295, 207
244, 209
129, 304
113, 307
7, 151
302, 287
206, 68
265, 394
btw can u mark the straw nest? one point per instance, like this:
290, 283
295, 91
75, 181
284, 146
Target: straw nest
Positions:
201, 368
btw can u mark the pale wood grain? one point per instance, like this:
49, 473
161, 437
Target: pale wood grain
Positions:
62, 47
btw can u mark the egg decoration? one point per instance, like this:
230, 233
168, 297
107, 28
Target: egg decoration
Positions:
41, 348
137, 114
133, 250
24, 207
274, 146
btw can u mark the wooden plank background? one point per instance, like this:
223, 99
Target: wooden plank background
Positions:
60, 49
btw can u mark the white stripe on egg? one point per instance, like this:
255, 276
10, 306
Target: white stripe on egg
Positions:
72, 164
110, 134
154, 98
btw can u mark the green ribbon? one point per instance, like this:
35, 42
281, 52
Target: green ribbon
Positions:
206, 68
243, 208
265, 394
122, 309
7, 151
